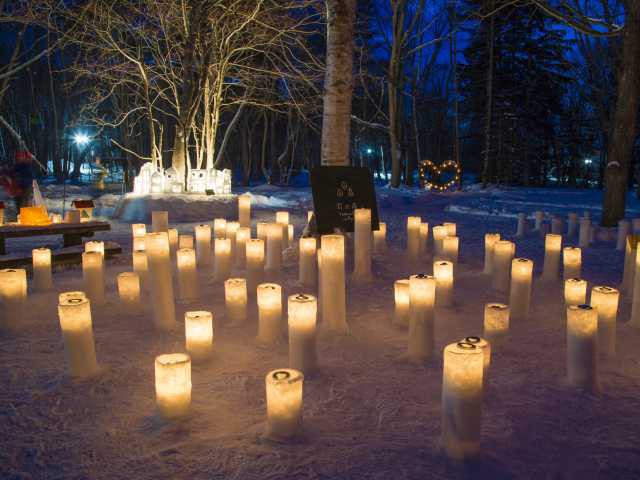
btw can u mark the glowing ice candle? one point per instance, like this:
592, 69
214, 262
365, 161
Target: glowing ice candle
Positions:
485, 346
187, 275
74, 314
138, 229
138, 244
185, 241
203, 245
254, 249
573, 224
605, 300
443, 273
496, 322
232, 230
539, 216
451, 228
274, 248
198, 334
269, 296
572, 262
219, 228
635, 297
413, 238
585, 234
140, 266
522, 225
424, 238
242, 235
422, 296
161, 283
320, 297
503, 254
490, 240
334, 303
582, 346
556, 225
222, 258
362, 244
129, 290
235, 300
72, 216
623, 231
575, 291
307, 262
284, 403
41, 259
74, 294
291, 234
462, 382
629, 265
13, 296
244, 210
450, 247
282, 218
95, 246
93, 276
401, 297
55, 218
302, 332
520, 293
173, 385
172, 234
552, 248
439, 234
309, 215
159, 221
380, 238
261, 231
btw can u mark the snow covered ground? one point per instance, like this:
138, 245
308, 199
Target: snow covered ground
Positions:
367, 414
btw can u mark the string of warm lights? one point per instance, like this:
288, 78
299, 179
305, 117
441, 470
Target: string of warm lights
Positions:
435, 171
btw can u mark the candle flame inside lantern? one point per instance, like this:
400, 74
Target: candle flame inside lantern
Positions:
173, 384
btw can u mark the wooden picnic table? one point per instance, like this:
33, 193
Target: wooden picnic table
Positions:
66, 255
72, 233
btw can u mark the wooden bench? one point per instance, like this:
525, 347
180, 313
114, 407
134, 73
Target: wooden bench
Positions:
61, 256
72, 233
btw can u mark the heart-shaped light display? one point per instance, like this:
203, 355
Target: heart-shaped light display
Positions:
431, 174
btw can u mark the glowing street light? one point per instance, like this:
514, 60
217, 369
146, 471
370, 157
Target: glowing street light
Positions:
588, 161
81, 139
369, 150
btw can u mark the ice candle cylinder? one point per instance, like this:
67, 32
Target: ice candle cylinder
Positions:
539, 218
173, 385
161, 283
582, 346
439, 233
242, 235
635, 298
290, 234
94, 246
203, 245
159, 221
490, 240
93, 276
172, 234
422, 295
584, 239
72, 294
284, 403
274, 248
232, 230
222, 258
552, 248
254, 249
138, 243
496, 322
244, 210
605, 300
282, 218
450, 247
129, 290
628, 273
556, 225
269, 298
450, 228
198, 333
74, 314
573, 224
485, 346
219, 228
575, 291
503, 254
413, 238
187, 275
13, 296
138, 231
522, 225
235, 300
334, 302
261, 231
401, 297
307, 262
462, 385
185, 241
520, 292
141, 267
572, 262
303, 311
380, 238
623, 231
424, 238
41, 259
443, 273
362, 244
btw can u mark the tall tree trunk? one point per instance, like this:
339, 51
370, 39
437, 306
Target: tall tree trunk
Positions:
623, 127
489, 99
338, 83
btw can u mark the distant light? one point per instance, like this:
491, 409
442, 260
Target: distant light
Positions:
369, 150
588, 161
81, 139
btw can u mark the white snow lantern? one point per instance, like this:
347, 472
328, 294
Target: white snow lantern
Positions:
582, 347
490, 240
41, 258
284, 403
307, 263
172, 181
222, 258
129, 290
443, 272
13, 295
605, 300
93, 276
496, 322
520, 292
74, 313
198, 180
142, 182
413, 238
269, 299
575, 291
572, 262
334, 309
422, 295
380, 238
235, 300
157, 182
187, 275
303, 311
173, 384
254, 250
198, 327
401, 296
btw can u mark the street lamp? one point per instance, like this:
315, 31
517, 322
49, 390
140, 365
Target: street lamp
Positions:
81, 139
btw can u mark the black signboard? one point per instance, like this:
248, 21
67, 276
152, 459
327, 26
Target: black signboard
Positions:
337, 192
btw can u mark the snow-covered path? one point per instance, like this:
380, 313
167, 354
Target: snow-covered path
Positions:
367, 414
